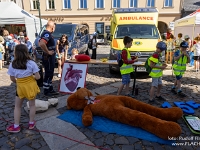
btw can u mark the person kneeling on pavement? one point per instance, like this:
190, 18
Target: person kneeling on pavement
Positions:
157, 71
181, 58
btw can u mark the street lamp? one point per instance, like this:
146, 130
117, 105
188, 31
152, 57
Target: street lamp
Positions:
38, 4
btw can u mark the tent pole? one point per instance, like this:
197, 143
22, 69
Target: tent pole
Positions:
193, 34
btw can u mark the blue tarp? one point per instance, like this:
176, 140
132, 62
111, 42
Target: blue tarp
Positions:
105, 125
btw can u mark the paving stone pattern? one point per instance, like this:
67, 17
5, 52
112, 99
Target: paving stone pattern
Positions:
97, 77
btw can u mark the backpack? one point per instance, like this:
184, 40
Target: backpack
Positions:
146, 65
11, 46
29, 46
119, 58
90, 44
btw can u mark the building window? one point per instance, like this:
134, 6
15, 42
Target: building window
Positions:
116, 4
168, 3
99, 3
82, 4
150, 3
133, 3
67, 4
51, 4
99, 28
34, 4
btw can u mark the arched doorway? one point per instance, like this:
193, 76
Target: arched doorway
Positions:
162, 27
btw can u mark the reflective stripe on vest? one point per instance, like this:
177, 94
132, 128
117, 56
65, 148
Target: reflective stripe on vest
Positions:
126, 68
155, 72
177, 70
179, 66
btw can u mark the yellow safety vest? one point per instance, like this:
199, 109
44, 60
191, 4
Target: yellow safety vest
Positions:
155, 72
126, 68
179, 66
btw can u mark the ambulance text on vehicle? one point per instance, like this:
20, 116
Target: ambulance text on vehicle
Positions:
138, 23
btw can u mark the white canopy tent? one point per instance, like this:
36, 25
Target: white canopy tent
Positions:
189, 25
13, 14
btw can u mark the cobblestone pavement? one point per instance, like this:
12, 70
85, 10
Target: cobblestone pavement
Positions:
96, 77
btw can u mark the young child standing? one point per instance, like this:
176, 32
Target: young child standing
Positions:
191, 53
74, 53
1, 55
196, 50
170, 49
127, 67
62, 50
178, 41
157, 71
181, 58
21, 72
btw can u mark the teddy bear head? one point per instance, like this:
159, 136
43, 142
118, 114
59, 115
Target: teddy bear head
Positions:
79, 99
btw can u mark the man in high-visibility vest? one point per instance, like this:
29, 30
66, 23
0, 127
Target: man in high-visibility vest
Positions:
181, 58
157, 71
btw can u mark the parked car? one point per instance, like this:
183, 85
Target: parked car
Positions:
100, 39
78, 37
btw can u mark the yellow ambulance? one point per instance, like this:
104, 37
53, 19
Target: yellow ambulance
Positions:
141, 25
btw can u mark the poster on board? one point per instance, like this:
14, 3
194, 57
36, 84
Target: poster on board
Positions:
73, 76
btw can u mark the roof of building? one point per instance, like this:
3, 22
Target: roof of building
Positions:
191, 5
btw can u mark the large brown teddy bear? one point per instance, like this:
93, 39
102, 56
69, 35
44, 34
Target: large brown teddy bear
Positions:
159, 121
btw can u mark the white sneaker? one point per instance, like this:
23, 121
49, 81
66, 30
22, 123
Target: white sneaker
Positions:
59, 75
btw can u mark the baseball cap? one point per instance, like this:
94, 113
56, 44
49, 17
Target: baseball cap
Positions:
184, 44
186, 37
162, 46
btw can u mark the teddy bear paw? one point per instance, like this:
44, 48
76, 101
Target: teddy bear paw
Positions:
87, 121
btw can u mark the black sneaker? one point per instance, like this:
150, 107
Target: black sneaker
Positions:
173, 90
53, 92
160, 98
151, 101
48, 94
181, 94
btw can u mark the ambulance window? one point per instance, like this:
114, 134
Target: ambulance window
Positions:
137, 31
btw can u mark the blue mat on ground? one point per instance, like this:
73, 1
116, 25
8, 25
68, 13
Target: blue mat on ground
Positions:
105, 125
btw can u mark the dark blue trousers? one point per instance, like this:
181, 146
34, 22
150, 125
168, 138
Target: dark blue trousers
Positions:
49, 65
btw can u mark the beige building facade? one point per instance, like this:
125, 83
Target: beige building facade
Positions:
97, 13
18, 2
